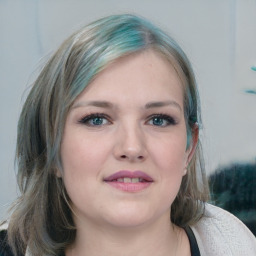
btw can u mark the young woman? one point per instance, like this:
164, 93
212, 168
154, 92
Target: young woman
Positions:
109, 155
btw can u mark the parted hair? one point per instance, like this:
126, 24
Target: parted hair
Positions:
41, 220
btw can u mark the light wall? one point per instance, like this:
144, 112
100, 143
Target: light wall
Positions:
219, 37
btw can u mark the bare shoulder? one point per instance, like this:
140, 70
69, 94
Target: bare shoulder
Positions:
221, 233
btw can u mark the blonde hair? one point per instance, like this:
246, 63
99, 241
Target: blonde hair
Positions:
41, 219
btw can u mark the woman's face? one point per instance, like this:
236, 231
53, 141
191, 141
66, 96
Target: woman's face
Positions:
124, 144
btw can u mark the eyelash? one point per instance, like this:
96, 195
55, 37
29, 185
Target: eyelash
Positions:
165, 118
169, 119
85, 120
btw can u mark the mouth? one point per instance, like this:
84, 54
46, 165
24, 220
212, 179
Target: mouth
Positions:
129, 181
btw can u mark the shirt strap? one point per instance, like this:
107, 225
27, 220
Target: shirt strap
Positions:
192, 241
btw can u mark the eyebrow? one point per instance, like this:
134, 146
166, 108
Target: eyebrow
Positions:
109, 105
158, 104
100, 104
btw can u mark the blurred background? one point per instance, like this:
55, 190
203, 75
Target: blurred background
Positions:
218, 36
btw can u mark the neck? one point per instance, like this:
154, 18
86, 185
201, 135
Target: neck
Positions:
160, 238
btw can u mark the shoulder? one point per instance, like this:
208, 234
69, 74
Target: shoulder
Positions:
221, 233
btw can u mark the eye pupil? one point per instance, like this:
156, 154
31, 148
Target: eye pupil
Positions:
158, 121
97, 121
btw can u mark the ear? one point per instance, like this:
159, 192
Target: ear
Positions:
193, 145
58, 173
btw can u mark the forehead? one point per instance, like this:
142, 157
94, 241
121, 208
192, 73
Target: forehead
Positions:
146, 74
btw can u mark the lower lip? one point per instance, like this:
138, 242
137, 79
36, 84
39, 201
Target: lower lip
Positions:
129, 187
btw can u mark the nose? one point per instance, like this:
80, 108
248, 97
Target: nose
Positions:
130, 144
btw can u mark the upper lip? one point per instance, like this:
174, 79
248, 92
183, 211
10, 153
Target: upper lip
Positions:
129, 174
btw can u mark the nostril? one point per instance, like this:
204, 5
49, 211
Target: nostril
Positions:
125, 157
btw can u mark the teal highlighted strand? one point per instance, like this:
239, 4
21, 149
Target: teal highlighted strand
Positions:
253, 68
250, 91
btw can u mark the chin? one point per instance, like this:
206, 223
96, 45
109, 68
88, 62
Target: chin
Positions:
128, 222
129, 217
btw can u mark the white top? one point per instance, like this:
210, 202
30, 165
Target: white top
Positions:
219, 233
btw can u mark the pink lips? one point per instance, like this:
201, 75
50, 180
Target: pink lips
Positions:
138, 180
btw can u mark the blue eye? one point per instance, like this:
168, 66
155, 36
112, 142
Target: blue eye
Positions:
94, 120
161, 120
158, 121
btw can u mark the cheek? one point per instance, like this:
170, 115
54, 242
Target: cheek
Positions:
79, 152
170, 158
170, 164
79, 167
170, 152
82, 160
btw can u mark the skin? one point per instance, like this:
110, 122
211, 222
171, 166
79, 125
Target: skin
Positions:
110, 221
